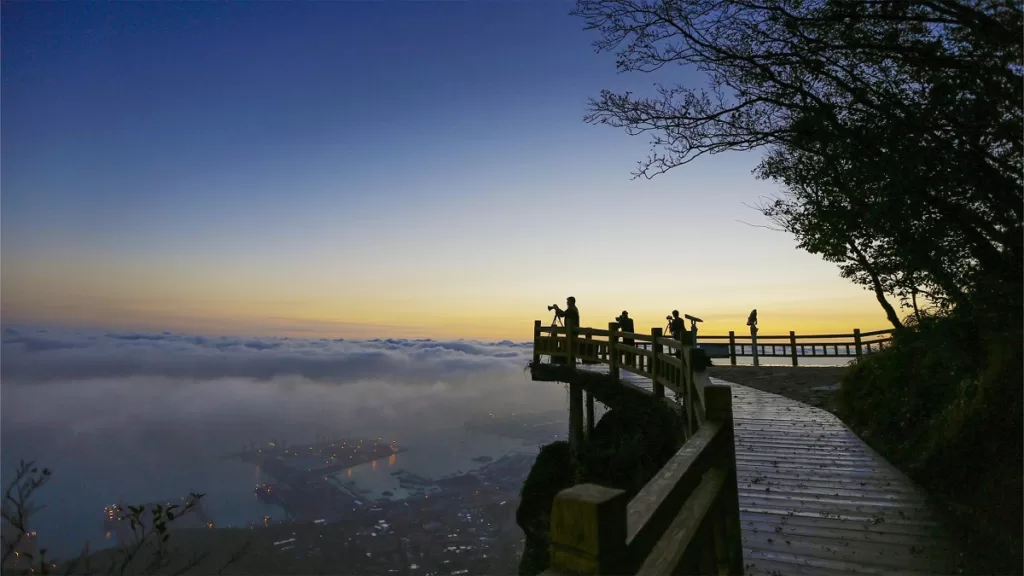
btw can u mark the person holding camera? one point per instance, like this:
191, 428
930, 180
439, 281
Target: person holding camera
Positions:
678, 329
626, 325
676, 325
570, 316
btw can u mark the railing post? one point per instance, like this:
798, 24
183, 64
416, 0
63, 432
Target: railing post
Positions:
856, 341
689, 383
732, 346
588, 530
613, 349
728, 538
576, 430
656, 350
792, 346
753, 343
590, 415
536, 341
570, 345
588, 348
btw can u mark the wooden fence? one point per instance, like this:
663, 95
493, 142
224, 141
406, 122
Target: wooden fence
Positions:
793, 346
686, 518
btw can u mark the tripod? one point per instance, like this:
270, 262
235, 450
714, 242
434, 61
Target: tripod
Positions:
555, 321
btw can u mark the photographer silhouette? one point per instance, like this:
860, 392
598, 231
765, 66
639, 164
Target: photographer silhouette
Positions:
570, 316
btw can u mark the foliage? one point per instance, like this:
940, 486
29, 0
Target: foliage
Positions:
944, 404
150, 551
551, 473
895, 127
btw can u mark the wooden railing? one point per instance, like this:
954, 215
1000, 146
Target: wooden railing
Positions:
792, 345
665, 361
686, 518
795, 346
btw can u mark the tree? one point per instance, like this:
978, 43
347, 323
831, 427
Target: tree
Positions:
906, 113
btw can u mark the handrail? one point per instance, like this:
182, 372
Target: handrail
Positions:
794, 346
887, 333
684, 520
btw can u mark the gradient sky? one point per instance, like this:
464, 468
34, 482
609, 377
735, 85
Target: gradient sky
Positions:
361, 169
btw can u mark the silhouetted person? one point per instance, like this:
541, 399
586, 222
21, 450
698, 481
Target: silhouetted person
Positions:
626, 325
677, 326
571, 315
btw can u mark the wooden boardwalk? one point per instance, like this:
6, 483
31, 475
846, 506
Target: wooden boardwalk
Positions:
816, 500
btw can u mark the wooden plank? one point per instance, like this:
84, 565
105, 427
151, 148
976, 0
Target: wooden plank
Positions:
750, 516
882, 553
803, 474
887, 331
670, 384
795, 564
671, 361
672, 343
841, 533
670, 549
634, 350
752, 479
635, 336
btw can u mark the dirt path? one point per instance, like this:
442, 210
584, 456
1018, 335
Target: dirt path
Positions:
813, 385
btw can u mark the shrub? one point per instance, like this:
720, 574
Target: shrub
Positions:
943, 403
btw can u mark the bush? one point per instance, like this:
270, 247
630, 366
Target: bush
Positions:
943, 403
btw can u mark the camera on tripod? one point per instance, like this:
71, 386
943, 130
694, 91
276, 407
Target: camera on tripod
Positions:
553, 307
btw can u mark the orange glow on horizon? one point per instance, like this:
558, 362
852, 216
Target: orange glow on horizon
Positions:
110, 298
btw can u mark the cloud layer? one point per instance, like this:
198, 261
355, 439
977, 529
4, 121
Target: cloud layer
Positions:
143, 416
33, 355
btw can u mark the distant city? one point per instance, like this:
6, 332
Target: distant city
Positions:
457, 524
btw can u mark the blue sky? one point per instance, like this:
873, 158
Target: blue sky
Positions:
352, 167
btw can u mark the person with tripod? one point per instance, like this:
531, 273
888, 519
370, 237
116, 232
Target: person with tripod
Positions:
570, 316
570, 319
678, 329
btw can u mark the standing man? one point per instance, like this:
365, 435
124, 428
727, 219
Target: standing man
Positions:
678, 328
626, 325
571, 315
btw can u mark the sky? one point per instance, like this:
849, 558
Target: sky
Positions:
363, 170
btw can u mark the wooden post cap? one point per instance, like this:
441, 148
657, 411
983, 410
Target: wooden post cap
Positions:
588, 529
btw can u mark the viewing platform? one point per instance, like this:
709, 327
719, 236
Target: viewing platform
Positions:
811, 497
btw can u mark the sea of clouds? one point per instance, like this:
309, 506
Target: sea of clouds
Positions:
147, 415
104, 379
